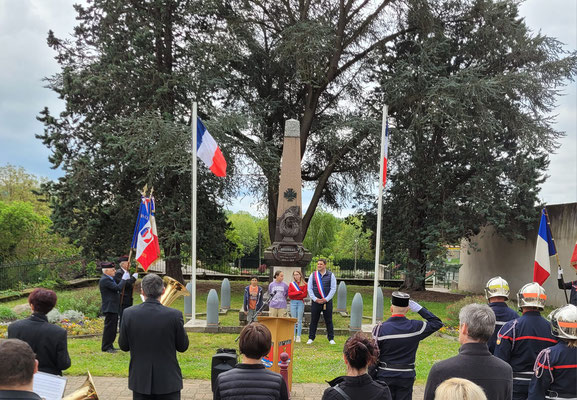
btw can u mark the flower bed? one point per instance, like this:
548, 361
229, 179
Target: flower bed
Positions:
84, 327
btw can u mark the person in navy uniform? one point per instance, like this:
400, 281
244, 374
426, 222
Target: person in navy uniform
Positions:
398, 339
322, 288
110, 293
521, 340
568, 285
556, 367
497, 294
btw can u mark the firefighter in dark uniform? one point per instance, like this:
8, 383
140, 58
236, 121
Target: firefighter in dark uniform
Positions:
398, 339
568, 285
497, 294
556, 367
521, 340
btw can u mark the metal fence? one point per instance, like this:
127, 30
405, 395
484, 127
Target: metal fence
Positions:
17, 275
343, 269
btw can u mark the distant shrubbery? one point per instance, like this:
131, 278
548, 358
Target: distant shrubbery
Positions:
85, 301
454, 308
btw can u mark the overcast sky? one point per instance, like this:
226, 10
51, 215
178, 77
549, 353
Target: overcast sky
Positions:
26, 59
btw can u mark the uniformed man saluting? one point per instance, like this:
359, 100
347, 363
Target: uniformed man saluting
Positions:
398, 339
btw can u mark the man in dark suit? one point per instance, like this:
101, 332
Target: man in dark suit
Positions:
17, 369
48, 341
110, 293
474, 361
126, 294
153, 334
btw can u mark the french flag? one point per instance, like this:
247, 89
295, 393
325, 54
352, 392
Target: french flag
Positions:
545, 248
208, 151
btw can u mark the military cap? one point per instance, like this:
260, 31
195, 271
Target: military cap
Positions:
400, 299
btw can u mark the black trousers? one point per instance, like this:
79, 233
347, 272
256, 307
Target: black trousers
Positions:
316, 310
165, 396
401, 388
109, 333
121, 311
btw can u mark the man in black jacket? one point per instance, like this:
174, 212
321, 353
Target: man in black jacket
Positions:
48, 341
110, 293
17, 369
474, 362
153, 334
250, 379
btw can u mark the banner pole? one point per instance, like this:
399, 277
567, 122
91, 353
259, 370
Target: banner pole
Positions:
193, 213
379, 213
555, 247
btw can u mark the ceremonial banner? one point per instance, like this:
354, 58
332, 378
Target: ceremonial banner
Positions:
545, 248
145, 238
386, 157
574, 257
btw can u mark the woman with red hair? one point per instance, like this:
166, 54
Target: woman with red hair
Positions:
48, 341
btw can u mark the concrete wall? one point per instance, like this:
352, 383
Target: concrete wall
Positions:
514, 260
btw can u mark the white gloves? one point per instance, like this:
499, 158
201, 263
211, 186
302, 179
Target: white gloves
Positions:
125, 276
135, 275
414, 306
142, 298
560, 273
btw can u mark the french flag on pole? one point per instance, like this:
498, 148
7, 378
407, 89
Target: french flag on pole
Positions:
145, 238
208, 151
545, 248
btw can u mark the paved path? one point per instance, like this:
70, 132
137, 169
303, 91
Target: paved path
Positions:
194, 389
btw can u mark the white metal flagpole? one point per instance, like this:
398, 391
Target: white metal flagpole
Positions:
193, 213
379, 213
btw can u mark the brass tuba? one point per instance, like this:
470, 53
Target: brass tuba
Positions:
85, 392
174, 289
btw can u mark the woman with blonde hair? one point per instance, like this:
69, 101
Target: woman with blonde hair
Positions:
297, 292
459, 389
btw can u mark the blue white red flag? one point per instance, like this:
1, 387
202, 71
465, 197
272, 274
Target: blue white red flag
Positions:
386, 158
208, 151
145, 238
545, 248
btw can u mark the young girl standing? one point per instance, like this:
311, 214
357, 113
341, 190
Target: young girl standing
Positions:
278, 290
297, 292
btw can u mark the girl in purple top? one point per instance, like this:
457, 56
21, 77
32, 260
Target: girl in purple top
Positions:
278, 290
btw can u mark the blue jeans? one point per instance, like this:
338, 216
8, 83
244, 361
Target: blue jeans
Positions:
297, 311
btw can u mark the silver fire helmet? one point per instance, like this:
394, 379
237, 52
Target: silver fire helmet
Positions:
532, 295
497, 287
564, 322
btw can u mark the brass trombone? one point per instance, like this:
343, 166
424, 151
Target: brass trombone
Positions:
85, 392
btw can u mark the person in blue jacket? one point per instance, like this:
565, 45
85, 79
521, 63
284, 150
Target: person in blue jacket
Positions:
556, 367
497, 294
521, 340
398, 339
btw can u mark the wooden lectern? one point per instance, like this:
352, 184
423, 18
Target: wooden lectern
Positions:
282, 331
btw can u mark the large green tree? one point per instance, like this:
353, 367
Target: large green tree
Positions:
470, 100
126, 77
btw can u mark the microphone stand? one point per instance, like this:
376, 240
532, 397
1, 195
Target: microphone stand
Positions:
258, 312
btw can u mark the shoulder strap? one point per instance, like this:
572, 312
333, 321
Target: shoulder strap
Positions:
342, 393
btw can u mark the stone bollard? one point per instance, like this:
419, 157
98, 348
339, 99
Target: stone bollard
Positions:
284, 368
380, 305
342, 297
212, 311
356, 314
225, 294
188, 302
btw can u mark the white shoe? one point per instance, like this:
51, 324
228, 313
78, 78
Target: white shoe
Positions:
298, 339
332, 342
309, 341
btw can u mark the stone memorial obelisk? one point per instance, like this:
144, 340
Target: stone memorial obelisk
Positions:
287, 252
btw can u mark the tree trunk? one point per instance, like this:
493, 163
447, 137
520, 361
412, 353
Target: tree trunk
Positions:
173, 263
416, 269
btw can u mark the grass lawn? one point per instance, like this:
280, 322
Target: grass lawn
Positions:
312, 363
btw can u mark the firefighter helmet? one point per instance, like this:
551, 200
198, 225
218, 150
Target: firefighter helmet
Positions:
532, 295
564, 322
497, 287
